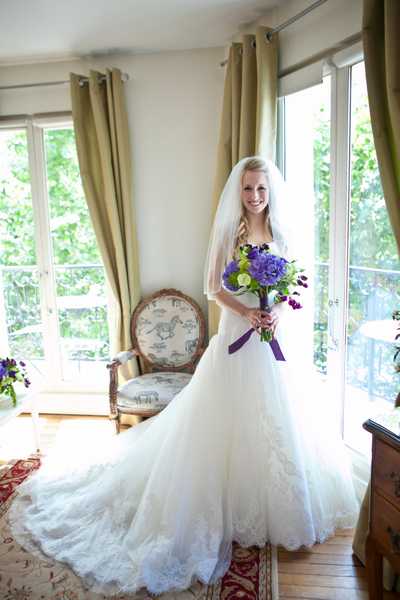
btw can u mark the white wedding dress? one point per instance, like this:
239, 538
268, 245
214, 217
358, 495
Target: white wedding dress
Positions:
244, 452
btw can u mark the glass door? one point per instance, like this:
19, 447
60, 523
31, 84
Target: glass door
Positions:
373, 281
21, 319
52, 281
347, 244
307, 171
76, 274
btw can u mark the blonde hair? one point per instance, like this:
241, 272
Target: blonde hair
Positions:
253, 164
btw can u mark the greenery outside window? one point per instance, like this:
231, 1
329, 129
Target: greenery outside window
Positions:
53, 293
349, 246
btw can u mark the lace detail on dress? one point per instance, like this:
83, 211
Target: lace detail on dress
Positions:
234, 456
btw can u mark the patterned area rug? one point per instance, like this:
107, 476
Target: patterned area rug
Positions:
251, 576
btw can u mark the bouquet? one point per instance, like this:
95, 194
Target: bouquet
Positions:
10, 373
269, 276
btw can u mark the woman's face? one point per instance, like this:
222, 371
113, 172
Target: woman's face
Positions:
254, 192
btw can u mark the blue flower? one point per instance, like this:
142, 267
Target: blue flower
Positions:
231, 268
253, 253
267, 269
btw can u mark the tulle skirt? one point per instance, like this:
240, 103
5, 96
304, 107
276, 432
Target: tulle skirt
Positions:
247, 451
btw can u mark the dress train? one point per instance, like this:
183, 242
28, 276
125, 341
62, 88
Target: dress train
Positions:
244, 452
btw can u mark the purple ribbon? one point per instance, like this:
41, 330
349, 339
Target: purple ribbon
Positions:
275, 347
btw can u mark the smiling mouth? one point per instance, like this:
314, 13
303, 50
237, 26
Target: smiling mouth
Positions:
255, 203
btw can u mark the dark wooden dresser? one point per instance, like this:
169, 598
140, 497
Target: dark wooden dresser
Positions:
384, 533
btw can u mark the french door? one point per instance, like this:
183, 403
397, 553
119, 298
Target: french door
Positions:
346, 243
53, 295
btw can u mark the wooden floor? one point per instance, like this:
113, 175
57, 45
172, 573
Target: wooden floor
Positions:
327, 571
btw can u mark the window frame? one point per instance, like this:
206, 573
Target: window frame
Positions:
338, 66
35, 125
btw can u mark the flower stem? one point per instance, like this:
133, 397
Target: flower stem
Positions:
266, 335
11, 392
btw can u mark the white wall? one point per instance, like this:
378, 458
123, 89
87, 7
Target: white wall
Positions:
174, 101
322, 28
325, 26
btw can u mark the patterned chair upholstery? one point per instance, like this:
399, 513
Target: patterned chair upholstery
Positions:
167, 331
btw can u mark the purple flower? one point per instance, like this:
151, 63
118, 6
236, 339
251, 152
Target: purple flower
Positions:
3, 371
267, 269
253, 253
230, 268
294, 304
11, 373
22, 363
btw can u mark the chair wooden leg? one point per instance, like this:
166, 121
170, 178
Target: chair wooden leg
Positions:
117, 424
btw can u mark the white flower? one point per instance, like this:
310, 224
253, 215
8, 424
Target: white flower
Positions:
244, 279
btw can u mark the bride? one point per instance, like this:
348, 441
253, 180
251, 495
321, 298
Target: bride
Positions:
242, 453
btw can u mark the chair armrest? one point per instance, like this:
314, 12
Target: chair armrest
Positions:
199, 353
122, 357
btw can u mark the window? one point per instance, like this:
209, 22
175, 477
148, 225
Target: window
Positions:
307, 169
52, 281
329, 157
373, 279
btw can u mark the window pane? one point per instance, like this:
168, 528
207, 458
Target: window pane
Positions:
71, 230
21, 330
79, 273
17, 241
374, 280
307, 160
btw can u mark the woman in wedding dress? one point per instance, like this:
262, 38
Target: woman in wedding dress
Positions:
242, 453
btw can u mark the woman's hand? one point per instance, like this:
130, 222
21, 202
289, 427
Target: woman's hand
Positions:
274, 318
261, 319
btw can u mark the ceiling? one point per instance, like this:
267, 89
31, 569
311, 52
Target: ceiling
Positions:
36, 30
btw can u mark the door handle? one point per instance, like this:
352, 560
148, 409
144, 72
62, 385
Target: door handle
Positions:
334, 341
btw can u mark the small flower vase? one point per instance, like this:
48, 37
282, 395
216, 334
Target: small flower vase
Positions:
8, 397
5, 401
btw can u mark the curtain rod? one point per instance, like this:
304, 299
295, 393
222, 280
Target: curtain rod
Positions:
82, 81
295, 18
269, 34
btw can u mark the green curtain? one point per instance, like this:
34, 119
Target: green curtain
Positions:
248, 120
381, 40
102, 139
381, 27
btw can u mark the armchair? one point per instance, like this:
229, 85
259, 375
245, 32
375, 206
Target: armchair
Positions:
167, 332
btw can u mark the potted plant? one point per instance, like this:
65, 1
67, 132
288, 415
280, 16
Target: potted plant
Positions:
11, 372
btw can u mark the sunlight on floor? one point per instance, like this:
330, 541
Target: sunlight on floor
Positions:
67, 436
